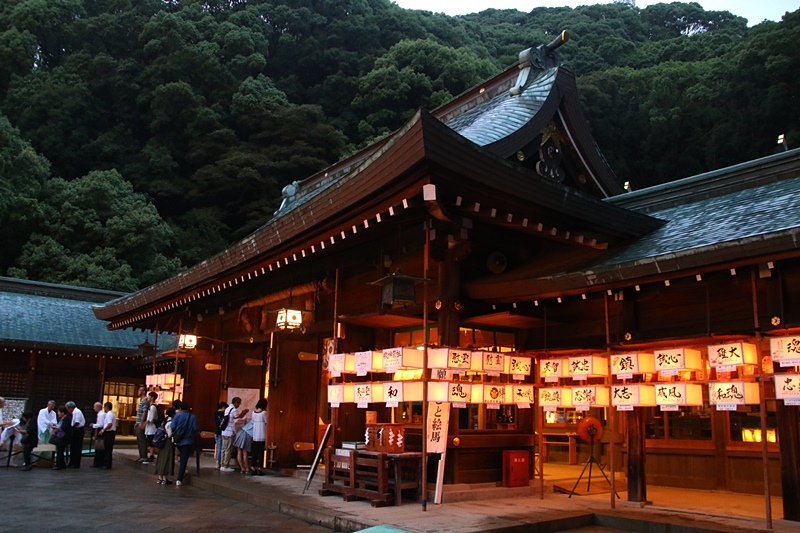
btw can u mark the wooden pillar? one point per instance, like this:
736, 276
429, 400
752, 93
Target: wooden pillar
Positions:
101, 377
789, 443
637, 486
450, 312
30, 380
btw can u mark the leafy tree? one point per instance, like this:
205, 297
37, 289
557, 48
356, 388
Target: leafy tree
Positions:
412, 74
98, 232
23, 173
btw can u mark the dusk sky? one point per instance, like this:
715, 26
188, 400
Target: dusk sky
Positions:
753, 11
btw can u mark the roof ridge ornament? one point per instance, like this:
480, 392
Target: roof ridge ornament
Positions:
289, 193
542, 57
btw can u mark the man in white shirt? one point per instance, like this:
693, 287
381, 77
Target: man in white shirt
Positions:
108, 432
76, 442
100, 422
150, 428
46, 420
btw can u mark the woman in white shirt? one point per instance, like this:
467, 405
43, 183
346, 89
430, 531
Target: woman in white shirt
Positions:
259, 437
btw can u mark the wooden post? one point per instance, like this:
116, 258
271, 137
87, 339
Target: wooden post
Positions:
789, 446
763, 406
336, 438
426, 340
611, 412
637, 487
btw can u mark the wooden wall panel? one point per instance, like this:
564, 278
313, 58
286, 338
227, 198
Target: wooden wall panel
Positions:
202, 388
292, 410
745, 473
681, 468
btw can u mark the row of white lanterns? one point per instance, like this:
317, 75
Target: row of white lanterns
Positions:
724, 395
391, 360
669, 396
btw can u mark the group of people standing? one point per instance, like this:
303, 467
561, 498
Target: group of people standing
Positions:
160, 435
236, 434
64, 427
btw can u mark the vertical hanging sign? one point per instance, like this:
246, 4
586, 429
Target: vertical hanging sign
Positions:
437, 426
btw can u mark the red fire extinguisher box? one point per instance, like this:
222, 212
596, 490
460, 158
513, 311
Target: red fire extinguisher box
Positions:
515, 468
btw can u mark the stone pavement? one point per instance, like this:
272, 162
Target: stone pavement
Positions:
124, 500
214, 500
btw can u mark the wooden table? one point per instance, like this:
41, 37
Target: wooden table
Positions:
375, 476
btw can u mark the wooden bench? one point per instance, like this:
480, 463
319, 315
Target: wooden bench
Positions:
375, 476
570, 440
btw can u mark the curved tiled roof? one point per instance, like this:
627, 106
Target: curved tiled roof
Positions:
504, 114
42, 321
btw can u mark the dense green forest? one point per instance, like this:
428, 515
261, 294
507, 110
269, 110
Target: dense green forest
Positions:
138, 137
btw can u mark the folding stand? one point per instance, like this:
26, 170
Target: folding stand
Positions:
589, 464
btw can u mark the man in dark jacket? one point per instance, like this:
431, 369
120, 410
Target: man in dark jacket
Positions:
184, 430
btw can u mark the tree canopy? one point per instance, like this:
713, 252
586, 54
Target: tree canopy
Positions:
184, 119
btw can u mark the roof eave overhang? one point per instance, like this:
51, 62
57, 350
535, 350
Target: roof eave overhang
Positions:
59, 348
732, 254
378, 185
391, 172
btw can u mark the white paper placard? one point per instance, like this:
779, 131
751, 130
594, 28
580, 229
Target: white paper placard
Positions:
725, 406
523, 406
363, 405
670, 408
624, 408
551, 379
625, 375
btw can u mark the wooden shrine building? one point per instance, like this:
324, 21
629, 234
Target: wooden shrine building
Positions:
519, 245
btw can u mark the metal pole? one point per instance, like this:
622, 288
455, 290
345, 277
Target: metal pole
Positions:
426, 340
763, 407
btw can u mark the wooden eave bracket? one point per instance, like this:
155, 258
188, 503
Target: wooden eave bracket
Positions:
507, 220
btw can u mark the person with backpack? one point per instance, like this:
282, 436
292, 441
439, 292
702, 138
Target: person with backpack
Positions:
162, 440
184, 431
220, 423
